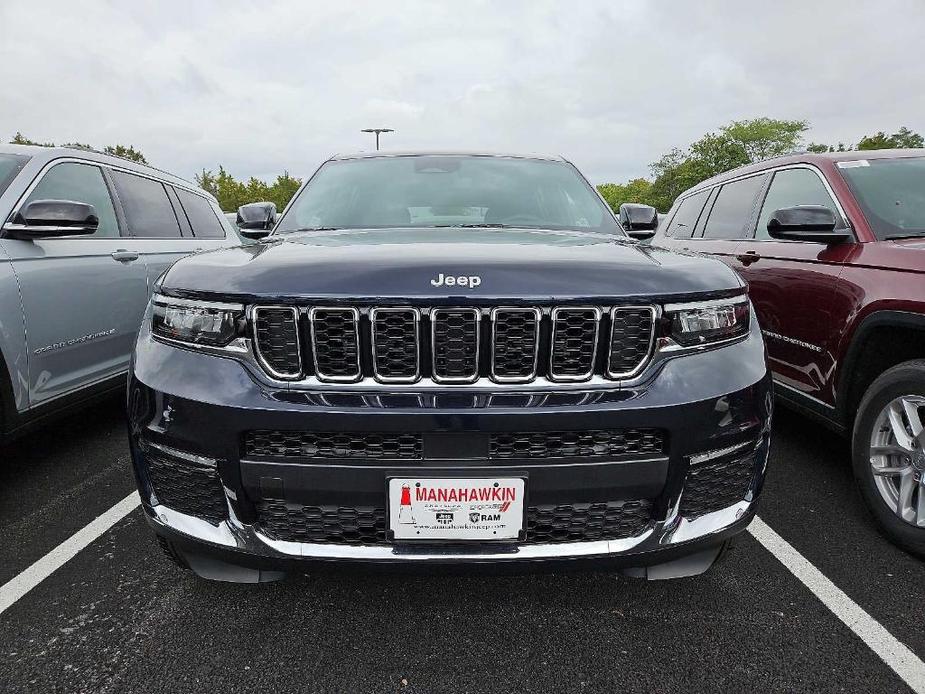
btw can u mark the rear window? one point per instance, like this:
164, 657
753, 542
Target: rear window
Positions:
148, 210
685, 219
201, 216
733, 209
891, 192
10, 165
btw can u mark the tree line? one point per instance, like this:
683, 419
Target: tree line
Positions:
124, 151
733, 145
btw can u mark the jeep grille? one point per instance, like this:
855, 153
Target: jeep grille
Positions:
454, 345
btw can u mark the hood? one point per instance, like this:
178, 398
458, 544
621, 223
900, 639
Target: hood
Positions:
410, 263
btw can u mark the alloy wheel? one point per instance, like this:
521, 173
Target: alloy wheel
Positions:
897, 457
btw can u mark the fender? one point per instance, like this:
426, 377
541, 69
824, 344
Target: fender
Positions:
877, 319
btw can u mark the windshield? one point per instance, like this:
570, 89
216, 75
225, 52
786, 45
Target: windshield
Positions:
453, 191
10, 165
891, 192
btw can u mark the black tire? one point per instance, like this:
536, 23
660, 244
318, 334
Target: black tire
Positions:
907, 378
172, 553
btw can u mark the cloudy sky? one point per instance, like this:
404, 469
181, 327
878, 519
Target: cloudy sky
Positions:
262, 87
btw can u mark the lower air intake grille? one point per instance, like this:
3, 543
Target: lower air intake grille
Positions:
574, 343
187, 487
366, 525
577, 444
311, 444
456, 344
339, 525
611, 520
716, 485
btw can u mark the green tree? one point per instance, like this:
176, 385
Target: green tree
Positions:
616, 194
901, 139
20, 139
126, 152
231, 193
738, 143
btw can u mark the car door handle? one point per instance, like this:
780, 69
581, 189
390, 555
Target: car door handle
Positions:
748, 257
124, 256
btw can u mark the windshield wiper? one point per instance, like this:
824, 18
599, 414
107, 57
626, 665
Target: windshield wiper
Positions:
289, 231
914, 235
484, 225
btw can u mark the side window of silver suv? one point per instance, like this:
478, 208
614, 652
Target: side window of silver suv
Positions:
81, 183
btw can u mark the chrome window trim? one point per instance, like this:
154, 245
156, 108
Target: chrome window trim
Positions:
538, 317
655, 312
416, 313
570, 378
252, 319
434, 312
356, 331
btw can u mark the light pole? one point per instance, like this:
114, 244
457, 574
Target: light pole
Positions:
377, 131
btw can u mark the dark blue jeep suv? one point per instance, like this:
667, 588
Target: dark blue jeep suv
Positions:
445, 358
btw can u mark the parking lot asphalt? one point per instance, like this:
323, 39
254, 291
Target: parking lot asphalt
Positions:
119, 618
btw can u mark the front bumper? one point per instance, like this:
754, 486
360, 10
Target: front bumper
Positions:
714, 407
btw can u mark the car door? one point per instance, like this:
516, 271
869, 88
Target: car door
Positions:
792, 285
155, 221
728, 218
80, 295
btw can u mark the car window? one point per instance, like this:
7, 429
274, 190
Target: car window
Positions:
685, 219
147, 208
792, 187
891, 192
10, 166
201, 216
733, 209
79, 183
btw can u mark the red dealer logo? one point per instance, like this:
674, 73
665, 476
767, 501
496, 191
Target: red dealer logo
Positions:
462, 494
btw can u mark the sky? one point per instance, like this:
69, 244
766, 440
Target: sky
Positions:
266, 87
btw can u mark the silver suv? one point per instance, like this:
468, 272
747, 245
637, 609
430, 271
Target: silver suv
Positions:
83, 239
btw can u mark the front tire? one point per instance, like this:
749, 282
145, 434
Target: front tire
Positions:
888, 454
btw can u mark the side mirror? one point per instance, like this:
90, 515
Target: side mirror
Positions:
256, 219
640, 221
42, 219
806, 223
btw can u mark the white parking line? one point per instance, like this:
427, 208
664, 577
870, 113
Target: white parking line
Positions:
890, 649
17, 587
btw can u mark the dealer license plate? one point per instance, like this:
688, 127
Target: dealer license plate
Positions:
456, 509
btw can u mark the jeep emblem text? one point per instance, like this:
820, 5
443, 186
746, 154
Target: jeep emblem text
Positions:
470, 281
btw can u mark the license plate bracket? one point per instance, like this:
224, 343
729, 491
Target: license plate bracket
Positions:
456, 509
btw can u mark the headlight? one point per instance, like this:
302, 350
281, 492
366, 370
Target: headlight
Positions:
197, 322
702, 322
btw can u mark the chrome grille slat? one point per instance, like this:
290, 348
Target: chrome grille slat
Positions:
396, 344
632, 336
515, 344
574, 342
276, 340
336, 343
455, 337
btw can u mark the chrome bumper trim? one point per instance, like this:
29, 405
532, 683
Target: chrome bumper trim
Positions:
234, 535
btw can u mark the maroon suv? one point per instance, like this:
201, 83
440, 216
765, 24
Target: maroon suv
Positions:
833, 249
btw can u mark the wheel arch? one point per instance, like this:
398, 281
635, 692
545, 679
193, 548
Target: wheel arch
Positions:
880, 341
